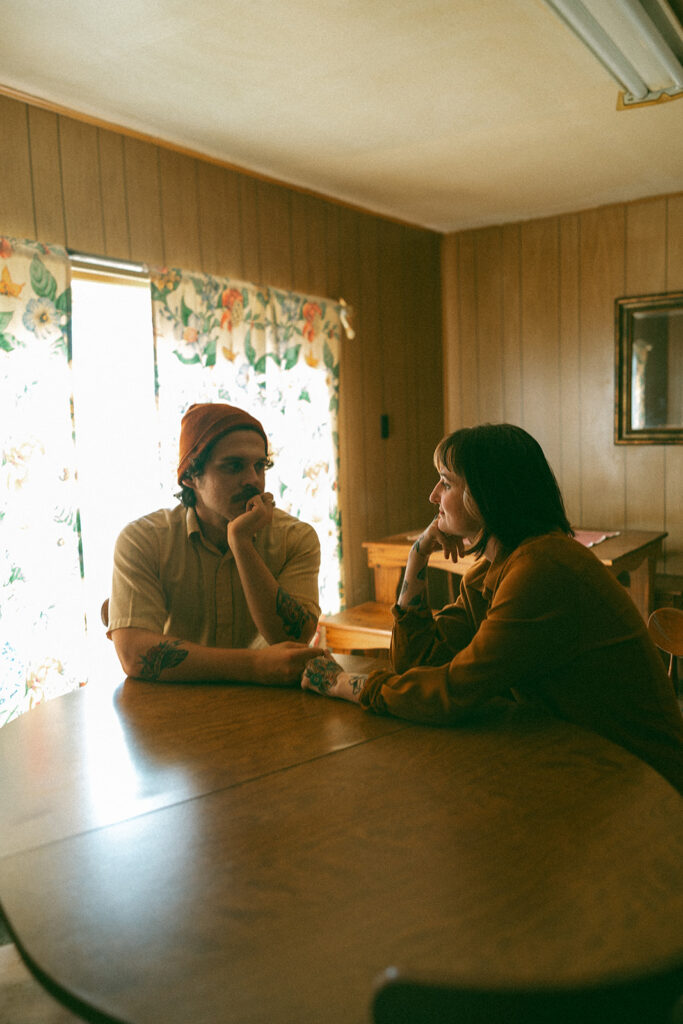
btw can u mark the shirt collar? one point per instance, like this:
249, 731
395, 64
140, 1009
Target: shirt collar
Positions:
195, 530
495, 568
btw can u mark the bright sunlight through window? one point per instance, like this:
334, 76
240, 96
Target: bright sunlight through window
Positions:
116, 427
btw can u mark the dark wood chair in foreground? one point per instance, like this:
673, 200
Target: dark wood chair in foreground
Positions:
650, 999
665, 627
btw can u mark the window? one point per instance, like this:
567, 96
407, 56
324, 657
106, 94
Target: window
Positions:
116, 426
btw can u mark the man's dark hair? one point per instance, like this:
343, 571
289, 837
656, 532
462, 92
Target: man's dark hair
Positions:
509, 478
186, 495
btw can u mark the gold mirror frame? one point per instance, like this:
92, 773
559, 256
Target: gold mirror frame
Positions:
649, 369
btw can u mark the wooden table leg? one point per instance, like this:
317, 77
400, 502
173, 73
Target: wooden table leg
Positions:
642, 586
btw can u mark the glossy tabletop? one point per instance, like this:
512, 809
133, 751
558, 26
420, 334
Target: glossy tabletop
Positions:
242, 854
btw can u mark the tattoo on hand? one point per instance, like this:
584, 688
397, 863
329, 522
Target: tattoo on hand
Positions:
167, 654
321, 674
295, 619
357, 683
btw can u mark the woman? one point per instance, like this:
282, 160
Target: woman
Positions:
538, 617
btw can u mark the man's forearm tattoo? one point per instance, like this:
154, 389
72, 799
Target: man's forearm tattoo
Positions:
167, 654
295, 619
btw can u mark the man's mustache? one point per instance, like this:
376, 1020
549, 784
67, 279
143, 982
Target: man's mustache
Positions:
244, 495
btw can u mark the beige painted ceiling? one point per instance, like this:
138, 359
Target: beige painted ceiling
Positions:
444, 113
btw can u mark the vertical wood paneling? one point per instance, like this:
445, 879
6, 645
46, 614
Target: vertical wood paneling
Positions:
46, 176
489, 308
113, 195
513, 408
16, 198
220, 227
423, 264
467, 366
309, 254
251, 261
450, 306
645, 274
335, 270
601, 280
673, 465
375, 375
421, 316
180, 210
540, 334
569, 467
275, 224
674, 243
396, 390
355, 412
81, 184
141, 161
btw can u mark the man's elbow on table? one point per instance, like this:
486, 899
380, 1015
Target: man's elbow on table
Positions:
143, 653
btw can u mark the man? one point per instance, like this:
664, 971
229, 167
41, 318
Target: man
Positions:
224, 586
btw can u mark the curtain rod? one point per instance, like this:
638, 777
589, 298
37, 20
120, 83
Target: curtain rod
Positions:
89, 261
128, 268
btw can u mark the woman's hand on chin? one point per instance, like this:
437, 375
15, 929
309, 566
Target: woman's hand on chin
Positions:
432, 539
453, 547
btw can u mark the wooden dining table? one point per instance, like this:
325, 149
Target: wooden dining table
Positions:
240, 854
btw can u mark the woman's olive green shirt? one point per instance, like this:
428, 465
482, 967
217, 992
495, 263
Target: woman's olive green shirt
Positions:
549, 623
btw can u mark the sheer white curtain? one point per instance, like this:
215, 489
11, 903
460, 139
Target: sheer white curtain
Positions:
42, 612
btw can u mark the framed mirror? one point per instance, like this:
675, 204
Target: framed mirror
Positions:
649, 369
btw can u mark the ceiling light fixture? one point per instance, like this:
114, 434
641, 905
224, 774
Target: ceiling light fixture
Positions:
640, 43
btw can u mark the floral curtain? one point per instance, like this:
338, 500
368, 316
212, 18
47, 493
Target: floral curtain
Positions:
276, 354
41, 585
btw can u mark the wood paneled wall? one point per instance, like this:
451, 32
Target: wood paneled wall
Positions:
95, 190
529, 338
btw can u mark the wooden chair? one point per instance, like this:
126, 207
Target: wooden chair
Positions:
649, 999
665, 627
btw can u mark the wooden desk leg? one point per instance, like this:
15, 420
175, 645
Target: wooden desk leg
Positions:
387, 579
642, 586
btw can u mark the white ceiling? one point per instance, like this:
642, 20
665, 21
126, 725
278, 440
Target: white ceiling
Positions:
444, 113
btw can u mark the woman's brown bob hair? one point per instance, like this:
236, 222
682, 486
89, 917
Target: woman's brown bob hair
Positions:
509, 478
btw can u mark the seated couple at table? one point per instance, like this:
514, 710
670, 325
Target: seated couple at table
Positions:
538, 618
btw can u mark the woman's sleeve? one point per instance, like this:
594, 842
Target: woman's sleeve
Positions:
421, 638
529, 621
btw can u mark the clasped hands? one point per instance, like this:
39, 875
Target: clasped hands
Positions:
325, 676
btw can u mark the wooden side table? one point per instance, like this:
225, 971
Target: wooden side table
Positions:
631, 555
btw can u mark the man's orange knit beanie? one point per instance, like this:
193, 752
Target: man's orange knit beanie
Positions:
206, 421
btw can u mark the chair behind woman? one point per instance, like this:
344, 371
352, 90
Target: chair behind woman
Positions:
654, 998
